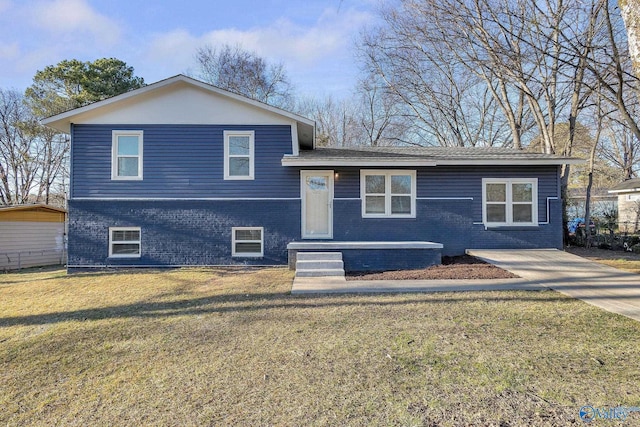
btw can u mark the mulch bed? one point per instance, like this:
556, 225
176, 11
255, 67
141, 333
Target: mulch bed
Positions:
458, 267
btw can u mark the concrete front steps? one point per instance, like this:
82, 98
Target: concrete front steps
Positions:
319, 264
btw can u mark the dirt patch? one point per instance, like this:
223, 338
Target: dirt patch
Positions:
459, 267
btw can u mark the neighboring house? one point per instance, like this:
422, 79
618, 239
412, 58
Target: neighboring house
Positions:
31, 236
183, 173
628, 193
602, 202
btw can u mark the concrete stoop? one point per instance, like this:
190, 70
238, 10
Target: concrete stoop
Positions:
319, 264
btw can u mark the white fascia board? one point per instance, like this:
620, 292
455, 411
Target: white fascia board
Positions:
509, 162
292, 161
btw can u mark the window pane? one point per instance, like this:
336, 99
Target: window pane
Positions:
374, 184
239, 166
522, 213
522, 192
127, 166
374, 204
125, 235
239, 145
248, 248
248, 234
125, 249
400, 184
496, 213
400, 204
127, 145
317, 183
496, 192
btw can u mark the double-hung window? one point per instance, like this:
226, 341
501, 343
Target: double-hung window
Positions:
388, 193
124, 242
126, 161
247, 242
238, 154
510, 202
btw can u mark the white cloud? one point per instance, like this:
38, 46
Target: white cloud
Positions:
77, 18
298, 46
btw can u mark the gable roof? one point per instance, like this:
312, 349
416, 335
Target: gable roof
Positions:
35, 206
305, 128
422, 156
628, 186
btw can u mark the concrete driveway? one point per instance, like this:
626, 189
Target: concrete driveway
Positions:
605, 287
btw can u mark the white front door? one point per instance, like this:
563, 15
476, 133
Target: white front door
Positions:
316, 190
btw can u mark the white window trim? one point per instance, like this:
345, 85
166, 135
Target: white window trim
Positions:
246, 254
114, 154
111, 242
227, 156
387, 195
509, 201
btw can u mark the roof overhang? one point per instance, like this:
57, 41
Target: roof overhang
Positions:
295, 161
38, 206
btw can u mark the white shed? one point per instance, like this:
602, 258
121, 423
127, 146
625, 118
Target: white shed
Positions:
31, 235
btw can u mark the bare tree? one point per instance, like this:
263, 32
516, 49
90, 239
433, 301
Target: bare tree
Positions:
441, 57
336, 123
380, 114
630, 11
19, 156
411, 57
612, 78
245, 73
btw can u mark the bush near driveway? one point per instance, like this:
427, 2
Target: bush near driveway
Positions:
233, 347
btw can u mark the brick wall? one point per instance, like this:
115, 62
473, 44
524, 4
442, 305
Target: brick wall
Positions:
180, 233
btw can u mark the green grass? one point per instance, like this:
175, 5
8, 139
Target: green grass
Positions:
233, 347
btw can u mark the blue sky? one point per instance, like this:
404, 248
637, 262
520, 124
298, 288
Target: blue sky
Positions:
313, 38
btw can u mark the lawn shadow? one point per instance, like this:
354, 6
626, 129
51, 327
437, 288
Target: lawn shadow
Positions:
221, 271
249, 302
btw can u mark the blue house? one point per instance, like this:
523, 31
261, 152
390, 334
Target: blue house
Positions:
183, 173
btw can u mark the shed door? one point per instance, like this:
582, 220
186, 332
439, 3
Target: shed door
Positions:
317, 204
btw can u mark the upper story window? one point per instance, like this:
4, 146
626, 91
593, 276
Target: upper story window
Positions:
126, 162
510, 202
238, 154
388, 193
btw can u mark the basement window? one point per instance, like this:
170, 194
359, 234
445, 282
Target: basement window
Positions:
247, 242
124, 242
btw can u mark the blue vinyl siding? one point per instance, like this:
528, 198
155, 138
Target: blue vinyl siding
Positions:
182, 161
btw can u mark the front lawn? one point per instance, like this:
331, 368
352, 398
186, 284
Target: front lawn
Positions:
231, 347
